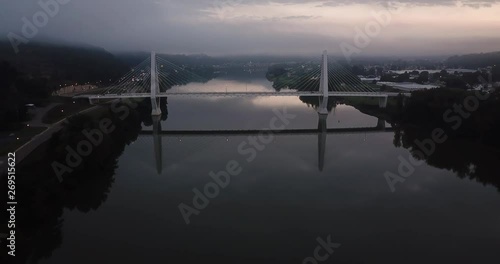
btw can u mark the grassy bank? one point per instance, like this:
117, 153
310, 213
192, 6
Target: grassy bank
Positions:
67, 107
20, 137
13, 136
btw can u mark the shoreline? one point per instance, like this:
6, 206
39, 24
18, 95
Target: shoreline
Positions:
30, 146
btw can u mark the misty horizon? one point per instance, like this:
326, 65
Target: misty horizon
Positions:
282, 28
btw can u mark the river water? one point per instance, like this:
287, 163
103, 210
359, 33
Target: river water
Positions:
286, 195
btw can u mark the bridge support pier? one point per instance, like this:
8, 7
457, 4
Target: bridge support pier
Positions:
323, 107
381, 124
382, 102
155, 107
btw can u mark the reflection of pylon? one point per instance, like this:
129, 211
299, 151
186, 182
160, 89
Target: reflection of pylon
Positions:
490, 78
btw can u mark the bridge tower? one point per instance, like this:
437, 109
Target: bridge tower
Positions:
155, 87
323, 85
323, 111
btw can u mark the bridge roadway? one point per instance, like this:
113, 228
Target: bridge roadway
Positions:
241, 94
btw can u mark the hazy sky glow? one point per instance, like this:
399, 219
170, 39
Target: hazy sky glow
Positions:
422, 27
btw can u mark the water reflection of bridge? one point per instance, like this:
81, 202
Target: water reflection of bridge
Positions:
322, 131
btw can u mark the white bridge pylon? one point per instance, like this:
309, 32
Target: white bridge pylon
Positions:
323, 86
155, 87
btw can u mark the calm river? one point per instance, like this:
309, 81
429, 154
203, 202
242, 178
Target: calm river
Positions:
287, 194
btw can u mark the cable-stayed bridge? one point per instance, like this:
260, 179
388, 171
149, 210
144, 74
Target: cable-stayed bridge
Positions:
154, 78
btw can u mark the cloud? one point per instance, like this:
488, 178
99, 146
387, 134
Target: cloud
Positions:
262, 26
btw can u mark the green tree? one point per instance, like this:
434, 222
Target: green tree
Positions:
423, 77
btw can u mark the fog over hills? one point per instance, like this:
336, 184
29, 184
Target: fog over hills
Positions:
280, 27
64, 62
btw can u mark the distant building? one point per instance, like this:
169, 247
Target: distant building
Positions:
30, 109
478, 87
369, 79
74, 89
409, 86
450, 71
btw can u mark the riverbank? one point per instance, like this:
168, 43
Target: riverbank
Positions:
56, 109
38, 139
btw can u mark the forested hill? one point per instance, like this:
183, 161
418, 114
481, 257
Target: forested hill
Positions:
474, 61
63, 63
132, 59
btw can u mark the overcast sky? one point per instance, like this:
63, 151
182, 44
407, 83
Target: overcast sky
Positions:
229, 27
